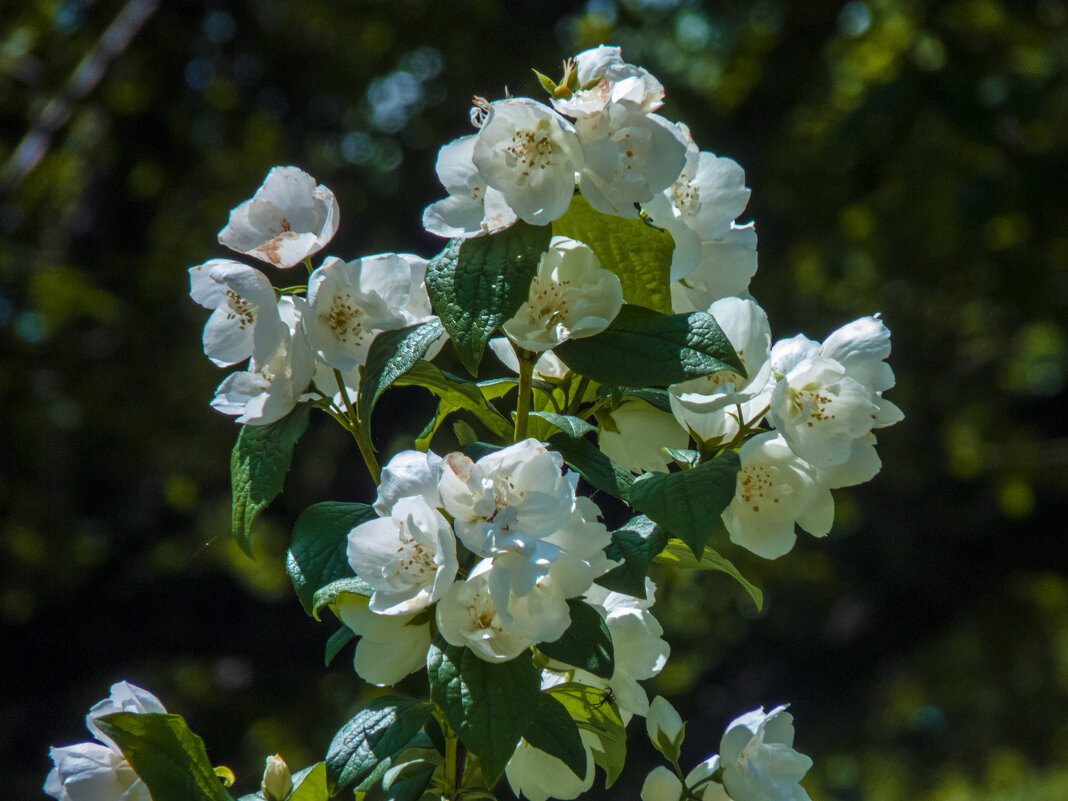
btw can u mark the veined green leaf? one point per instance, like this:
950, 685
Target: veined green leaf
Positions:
166, 755
644, 348
586, 459
639, 254
688, 503
379, 731
586, 644
258, 467
477, 284
596, 712
554, 732
317, 552
678, 553
455, 393
574, 427
635, 544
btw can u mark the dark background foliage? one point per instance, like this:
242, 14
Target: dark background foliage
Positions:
905, 157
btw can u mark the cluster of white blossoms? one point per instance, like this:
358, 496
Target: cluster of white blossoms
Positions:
97, 771
291, 342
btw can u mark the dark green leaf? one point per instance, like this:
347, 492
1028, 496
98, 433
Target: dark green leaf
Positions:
317, 555
380, 730
328, 595
392, 354
488, 704
688, 503
657, 398
456, 393
411, 780
635, 544
683, 456
637, 253
643, 348
477, 284
678, 553
168, 757
586, 459
596, 712
338, 640
258, 467
586, 644
554, 732
574, 427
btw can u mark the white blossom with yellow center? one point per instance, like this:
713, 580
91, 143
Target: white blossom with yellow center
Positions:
472, 208
758, 759
245, 321
570, 297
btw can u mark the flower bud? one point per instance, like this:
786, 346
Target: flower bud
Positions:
661, 785
277, 783
665, 728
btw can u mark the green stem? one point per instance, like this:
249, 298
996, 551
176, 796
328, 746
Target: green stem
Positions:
522, 405
576, 401
354, 427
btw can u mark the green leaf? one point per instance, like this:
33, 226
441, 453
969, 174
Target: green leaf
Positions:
574, 427
554, 732
596, 712
635, 544
586, 644
408, 781
657, 398
317, 557
328, 595
310, 784
168, 757
455, 393
643, 348
392, 354
258, 467
688, 503
488, 704
379, 731
684, 456
477, 284
638, 253
338, 640
586, 459
679, 554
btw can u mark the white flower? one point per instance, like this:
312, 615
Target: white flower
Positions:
245, 320
269, 389
725, 268
92, 772
711, 405
616, 83
507, 498
350, 302
124, 697
547, 367
98, 771
409, 557
468, 616
409, 474
775, 489
664, 727
701, 204
472, 208
630, 158
390, 646
287, 220
570, 297
758, 759
661, 785
530, 154
538, 776
640, 436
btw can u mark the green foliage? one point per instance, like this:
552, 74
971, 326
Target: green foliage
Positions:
378, 732
258, 467
408, 781
317, 553
643, 347
635, 544
488, 704
455, 394
554, 732
689, 502
586, 644
586, 459
477, 284
168, 757
310, 784
574, 427
338, 640
392, 354
596, 712
638, 253
678, 553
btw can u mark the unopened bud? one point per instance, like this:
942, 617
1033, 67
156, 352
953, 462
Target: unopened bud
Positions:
665, 728
277, 783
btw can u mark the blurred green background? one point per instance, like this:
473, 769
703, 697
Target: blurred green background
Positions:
905, 157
